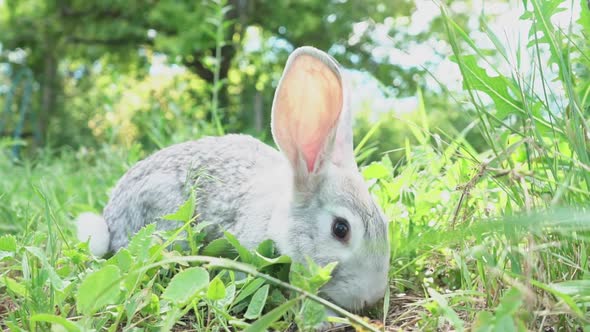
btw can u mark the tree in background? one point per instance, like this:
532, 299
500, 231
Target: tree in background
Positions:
69, 44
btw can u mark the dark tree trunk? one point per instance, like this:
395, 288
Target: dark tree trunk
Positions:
237, 16
258, 111
197, 66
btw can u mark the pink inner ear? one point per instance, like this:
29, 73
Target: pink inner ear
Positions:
312, 94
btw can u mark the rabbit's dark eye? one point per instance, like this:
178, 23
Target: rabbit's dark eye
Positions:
341, 229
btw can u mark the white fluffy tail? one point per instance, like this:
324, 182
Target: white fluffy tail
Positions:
94, 227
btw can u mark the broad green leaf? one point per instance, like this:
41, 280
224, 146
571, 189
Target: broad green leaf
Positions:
8, 243
298, 276
310, 277
185, 212
239, 307
266, 255
276, 298
230, 294
245, 255
75, 255
483, 322
141, 242
49, 318
257, 303
573, 287
263, 261
249, 289
122, 259
125, 262
313, 313
584, 19
14, 286
496, 87
504, 324
541, 16
99, 289
153, 307
510, 303
220, 248
186, 284
267, 248
376, 171
216, 290
60, 297
270, 317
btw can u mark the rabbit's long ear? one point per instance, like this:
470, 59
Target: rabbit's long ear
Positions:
310, 117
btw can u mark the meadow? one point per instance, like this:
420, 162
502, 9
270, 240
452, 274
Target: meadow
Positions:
481, 239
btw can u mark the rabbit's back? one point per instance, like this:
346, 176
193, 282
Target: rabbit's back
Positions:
219, 169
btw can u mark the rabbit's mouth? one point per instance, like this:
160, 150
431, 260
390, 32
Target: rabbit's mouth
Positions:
355, 297
357, 307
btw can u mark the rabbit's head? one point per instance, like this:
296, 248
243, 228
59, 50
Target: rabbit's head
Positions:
332, 216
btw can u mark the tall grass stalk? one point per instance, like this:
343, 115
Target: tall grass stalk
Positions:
219, 22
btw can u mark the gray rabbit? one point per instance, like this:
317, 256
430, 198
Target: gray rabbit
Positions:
309, 198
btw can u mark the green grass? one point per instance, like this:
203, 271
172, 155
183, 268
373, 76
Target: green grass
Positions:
492, 240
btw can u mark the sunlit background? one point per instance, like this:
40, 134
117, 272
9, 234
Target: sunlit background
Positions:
137, 73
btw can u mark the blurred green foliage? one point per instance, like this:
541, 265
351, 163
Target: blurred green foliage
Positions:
125, 72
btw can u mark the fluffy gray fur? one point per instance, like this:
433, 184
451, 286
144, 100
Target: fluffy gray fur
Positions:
217, 168
256, 192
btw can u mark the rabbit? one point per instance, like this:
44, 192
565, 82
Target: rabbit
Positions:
309, 197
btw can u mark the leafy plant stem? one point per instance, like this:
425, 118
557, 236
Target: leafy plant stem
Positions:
213, 262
